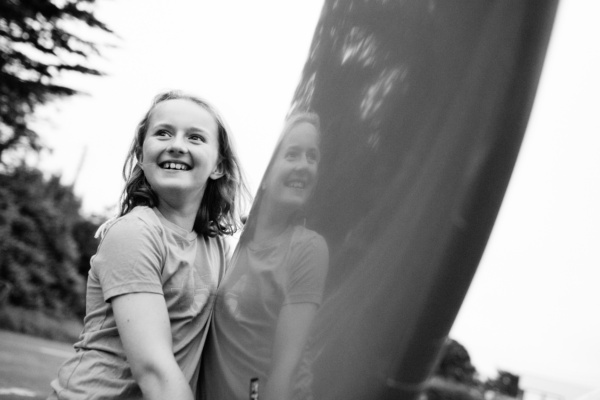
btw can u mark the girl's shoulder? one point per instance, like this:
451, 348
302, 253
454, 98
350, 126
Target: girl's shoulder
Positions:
307, 237
141, 217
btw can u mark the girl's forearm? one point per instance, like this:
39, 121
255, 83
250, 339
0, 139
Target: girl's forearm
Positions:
163, 383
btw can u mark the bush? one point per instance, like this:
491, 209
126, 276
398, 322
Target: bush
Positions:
37, 323
43, 244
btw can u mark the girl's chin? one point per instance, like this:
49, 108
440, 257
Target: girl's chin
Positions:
291, 205
179, 191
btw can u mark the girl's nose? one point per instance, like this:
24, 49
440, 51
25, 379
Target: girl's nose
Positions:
302, 163
177, 145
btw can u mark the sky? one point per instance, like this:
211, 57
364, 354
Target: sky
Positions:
533, 305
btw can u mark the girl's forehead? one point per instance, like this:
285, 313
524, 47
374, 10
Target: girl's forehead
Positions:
302, 134
182, 110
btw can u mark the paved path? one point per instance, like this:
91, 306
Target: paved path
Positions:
28, 364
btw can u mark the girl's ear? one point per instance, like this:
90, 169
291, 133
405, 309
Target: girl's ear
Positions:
218, 172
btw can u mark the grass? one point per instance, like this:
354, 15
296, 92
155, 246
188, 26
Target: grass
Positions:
36, 323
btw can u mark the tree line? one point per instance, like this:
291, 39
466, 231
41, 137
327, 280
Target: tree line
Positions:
45, 243
45, 240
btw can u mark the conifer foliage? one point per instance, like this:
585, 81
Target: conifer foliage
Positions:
38, 44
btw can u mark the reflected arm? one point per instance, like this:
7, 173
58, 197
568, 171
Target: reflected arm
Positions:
290, 337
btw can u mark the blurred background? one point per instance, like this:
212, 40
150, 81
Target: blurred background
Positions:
77, 76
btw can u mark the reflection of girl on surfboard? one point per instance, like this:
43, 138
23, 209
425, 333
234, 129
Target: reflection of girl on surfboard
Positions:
271, 292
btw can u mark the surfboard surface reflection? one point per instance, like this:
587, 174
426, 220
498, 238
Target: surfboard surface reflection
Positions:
376, 207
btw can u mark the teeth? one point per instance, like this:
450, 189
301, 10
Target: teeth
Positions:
296, 185
177, 166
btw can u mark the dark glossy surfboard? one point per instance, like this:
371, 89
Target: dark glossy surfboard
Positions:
423, 107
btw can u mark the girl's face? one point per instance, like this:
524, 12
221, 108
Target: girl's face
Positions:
293, 174
181, 150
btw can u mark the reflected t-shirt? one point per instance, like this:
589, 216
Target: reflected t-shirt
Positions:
291, 268
142, 252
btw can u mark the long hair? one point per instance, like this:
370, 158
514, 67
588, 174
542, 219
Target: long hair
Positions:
291, 121
218, 213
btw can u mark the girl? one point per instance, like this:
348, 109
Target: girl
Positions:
152, 282
270, 294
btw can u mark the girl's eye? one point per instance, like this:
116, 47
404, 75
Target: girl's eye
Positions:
291, 155
197, 138
162, 132
312, 156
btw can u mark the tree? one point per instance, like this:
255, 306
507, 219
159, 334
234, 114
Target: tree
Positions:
43, 242
454, 377
37, 45
84, 231
455, 364
505, 383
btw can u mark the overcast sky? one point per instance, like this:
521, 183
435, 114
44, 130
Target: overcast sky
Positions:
534, 303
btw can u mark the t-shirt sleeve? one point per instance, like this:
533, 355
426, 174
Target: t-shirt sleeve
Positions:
308, 272
129, 259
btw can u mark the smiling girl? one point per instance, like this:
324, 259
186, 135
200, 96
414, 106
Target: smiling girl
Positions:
271, 292
152, 282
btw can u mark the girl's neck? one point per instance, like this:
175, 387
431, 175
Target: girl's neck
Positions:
270, 222
183, 216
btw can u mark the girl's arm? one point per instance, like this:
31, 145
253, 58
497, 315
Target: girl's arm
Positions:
144, 328
290, 337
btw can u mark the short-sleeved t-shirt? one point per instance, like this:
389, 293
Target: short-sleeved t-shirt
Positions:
142, 252
262, 278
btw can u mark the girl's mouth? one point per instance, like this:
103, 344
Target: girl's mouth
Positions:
174, 165
296, 184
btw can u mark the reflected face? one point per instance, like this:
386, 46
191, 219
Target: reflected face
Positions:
181, 149
293, 174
